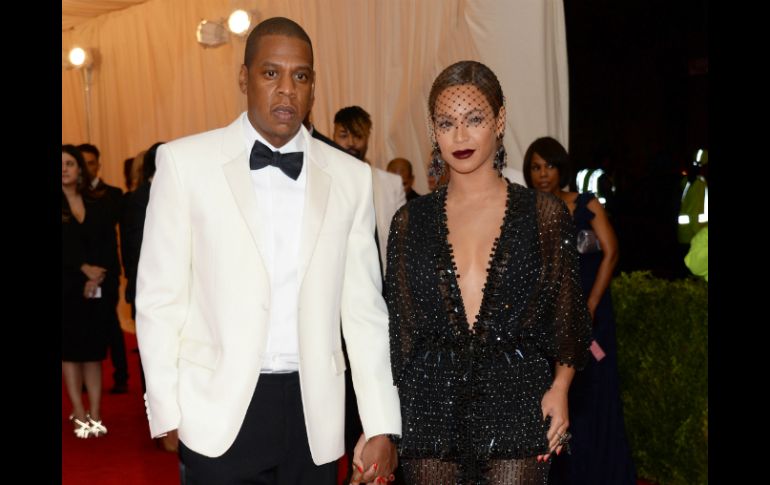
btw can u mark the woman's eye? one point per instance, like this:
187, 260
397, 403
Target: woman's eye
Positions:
476, 120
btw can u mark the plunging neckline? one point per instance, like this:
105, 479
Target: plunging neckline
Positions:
493, 255
85, 212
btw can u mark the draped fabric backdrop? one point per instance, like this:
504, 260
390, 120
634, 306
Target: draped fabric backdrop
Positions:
153, 81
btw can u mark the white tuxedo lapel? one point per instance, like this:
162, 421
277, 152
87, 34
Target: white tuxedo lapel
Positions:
238, 175
380, 198
316, 199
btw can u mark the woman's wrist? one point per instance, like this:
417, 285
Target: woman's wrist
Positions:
560, 386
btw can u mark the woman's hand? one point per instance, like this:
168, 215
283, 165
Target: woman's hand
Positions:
377, 473
94, 273
554, 404
592, 303
90, 289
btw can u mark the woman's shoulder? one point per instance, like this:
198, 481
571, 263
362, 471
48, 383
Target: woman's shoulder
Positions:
423, 205
546, 202
521, 194
586, 206
584, 197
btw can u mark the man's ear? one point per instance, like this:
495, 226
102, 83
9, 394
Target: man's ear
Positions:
312, 91
243, 78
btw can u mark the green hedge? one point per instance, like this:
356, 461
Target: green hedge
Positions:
662, 329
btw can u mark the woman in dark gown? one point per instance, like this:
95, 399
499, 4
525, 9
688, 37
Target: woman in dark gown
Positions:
600, 452
484, 301
90, 274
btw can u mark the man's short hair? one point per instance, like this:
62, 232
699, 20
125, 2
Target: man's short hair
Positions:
274, 26
401, 159
355, 120
87, 147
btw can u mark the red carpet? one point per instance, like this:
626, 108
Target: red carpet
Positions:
127, 454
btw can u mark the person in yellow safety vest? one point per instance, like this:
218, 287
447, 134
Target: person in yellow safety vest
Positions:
698, 257
587, 180
693, 212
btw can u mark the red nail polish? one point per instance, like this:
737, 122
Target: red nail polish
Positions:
558, 452
360, 470
375, 466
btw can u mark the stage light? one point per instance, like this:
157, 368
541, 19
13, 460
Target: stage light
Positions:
211, 34
77, 58
83, 60
239, 22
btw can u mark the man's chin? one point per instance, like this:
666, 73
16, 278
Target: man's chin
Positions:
355, 153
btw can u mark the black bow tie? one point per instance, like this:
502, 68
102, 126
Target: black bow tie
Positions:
262, 156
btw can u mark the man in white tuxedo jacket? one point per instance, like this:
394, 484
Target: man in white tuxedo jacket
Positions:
352, 127
257, 243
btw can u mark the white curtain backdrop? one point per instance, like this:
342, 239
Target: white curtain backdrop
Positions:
153, 81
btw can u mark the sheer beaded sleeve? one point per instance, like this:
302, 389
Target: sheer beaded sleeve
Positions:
398, 294
564, 322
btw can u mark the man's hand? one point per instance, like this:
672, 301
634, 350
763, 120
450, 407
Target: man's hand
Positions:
170, 442
374, 460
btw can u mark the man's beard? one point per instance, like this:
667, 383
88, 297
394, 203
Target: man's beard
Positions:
355, 153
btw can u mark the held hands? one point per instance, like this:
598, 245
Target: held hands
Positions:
554, 404
374, 460
89, 290
94, 273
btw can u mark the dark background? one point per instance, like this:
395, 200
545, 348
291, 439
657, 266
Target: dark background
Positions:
639, 93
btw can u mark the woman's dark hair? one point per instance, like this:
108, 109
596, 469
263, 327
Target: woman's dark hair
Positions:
552, 152
83, 185
468, 73
84, 181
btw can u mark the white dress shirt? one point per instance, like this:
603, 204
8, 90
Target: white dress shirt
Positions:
280, 202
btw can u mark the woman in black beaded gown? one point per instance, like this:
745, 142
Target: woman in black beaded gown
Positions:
600, 451
487, 319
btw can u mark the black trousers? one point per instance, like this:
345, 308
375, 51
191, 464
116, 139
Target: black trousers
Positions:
271, 446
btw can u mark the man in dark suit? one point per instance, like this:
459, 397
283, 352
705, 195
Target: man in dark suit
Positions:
132, 226
113, 197
318, 135
403, 167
